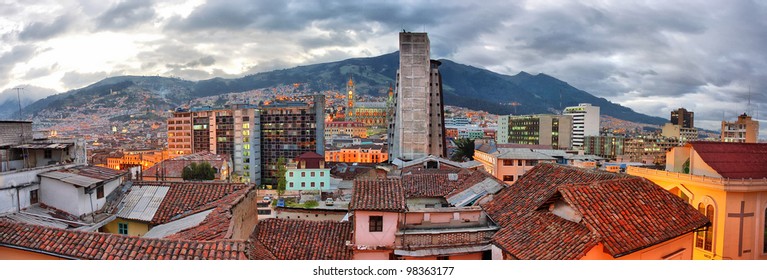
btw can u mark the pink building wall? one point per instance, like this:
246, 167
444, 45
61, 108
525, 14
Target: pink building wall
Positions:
679, 248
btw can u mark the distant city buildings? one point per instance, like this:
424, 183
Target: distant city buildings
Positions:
743, 130
233, 132
345, 128
364, 153
681, 133
647, 149
289, 129
683, 118
585, 122
609, 147
550, 130
416, 128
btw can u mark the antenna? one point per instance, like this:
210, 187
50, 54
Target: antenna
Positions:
18, 95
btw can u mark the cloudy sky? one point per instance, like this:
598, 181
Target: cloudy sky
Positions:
653, 56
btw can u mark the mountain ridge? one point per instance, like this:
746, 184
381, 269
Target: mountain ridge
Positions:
463, 85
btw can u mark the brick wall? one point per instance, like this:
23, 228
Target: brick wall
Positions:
10, 131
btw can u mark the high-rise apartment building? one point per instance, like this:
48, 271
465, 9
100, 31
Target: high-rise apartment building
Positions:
416, 128
609, 147
585, 122
180, 133
683, 118
549, 130
744, 130
233, 131
289, 129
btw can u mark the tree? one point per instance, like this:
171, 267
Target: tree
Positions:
464, 149
198, 172
281, 181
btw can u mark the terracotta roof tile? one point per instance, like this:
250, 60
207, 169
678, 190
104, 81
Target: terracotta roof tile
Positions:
380, 194
304, 240
186, 198
105, 246
623, 212
632, 213
544, 236
734, 160
217, 224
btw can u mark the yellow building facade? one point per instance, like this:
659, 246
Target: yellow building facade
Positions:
726, 182
358, 154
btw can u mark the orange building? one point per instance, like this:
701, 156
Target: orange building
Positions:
143, 158
727, 182
360, 154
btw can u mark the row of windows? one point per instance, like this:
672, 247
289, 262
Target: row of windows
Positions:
303, 174
312, 184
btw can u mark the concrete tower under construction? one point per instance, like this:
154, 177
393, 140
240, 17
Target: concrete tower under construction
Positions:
416, 127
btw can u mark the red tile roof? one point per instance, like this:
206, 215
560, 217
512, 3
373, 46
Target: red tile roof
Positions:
632, 213
217, 225
304, 240
439, 184
380, 195
537, 185
544, 236
734, 160
105, 246
624, 213
186, 198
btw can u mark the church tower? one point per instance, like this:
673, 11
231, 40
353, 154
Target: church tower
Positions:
350, 97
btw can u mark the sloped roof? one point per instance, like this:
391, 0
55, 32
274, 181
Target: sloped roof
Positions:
537, 185
521, 153
544, 236
142, 202
85, 175
105, 246
217, 224
380, 194
304, 240
630, 214
186, 198
624, 213
734, 160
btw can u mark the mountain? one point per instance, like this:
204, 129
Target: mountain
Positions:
463, 85
9, 99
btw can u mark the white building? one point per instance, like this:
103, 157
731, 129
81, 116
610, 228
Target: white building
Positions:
79, 190
585, 122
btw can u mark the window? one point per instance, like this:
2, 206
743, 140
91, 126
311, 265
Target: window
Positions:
704, 239
312, 174
100, 192
122, 228
508, 178
376, 224
532, 162
322, 184
291, 184
33, 198
48, 154
290, 174
322, 174
303, 174
303, 184
312, 184
508, 162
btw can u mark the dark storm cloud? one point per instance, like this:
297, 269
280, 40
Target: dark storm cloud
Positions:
281, 16
126, 14
46, 30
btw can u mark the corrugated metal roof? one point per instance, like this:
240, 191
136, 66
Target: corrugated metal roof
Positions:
473, 193
74, 179
142, 202
176, 226
521, 153
44, 146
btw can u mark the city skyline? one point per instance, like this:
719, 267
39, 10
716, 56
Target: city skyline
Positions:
651, 57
